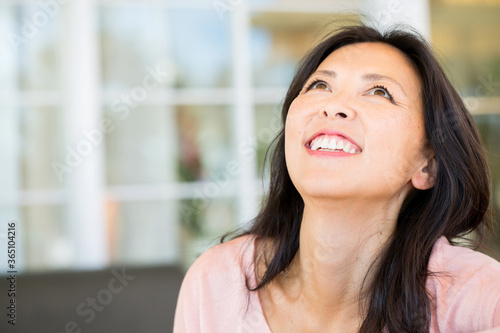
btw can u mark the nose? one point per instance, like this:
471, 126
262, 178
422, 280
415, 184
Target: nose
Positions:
338, 114
338, 111
340, 104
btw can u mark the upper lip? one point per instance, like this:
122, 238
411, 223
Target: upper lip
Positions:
331, 132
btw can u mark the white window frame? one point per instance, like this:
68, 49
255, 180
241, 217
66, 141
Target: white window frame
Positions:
86, 189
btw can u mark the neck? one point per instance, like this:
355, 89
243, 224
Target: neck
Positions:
339, 242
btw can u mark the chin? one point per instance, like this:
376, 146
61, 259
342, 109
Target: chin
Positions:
322, 190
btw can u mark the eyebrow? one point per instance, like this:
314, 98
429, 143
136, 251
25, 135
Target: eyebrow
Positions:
366, 77
327, 72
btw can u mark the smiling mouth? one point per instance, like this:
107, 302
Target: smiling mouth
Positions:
333, 143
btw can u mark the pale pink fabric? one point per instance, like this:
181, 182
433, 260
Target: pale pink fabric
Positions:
214, 298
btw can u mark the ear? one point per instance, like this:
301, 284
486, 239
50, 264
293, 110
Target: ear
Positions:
425, 177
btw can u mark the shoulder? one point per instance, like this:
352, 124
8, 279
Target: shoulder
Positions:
221, 272
213, 295
462, 264
216, 261
464, 288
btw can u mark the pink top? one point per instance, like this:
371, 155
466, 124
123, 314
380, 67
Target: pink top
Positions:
214, 297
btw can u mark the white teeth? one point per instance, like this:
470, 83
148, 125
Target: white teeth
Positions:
315, 145
340, 145
324, 142
332, 144
329, 143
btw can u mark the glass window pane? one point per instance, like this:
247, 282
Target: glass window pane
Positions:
280, 40
10, 146
271, 67
43, 159
134, 42
140, 146
267, 125
194, 42
47, 238
35, 39
201, 47
144, 233
204, 221
9, 57
204, 143
463, 34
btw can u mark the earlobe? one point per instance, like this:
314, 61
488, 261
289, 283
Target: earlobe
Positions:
425, 178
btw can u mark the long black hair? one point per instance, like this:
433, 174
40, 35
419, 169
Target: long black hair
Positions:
454, 207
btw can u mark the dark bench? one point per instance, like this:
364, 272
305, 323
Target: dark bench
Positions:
96, 301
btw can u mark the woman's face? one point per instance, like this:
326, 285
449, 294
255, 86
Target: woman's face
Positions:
356, 130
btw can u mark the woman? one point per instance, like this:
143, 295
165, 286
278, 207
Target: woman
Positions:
378, 169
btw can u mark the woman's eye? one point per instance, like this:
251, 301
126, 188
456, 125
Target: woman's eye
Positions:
381, 91
319, 85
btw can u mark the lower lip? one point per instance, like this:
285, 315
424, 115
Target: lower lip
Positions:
324, 153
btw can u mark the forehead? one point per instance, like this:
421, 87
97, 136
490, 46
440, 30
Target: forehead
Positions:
374, 57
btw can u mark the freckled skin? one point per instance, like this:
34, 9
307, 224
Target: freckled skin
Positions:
391, 133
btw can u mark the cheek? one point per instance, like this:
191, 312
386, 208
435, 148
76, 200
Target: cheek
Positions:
289, 131
291, 144
294, 127
404, 155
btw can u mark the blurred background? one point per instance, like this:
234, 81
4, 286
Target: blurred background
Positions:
133, 133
